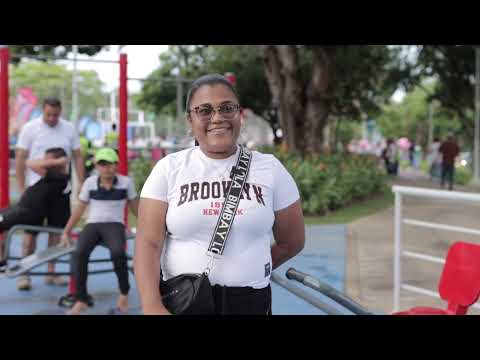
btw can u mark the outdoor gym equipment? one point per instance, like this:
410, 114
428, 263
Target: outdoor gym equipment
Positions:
327, 290
459, 286
4, 115
50, 254
24, 265
34, 260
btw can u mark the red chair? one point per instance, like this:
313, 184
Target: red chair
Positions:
460, 282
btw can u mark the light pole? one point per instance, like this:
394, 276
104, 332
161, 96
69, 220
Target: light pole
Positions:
74, 86
476, 156
75, 183
179, 103
4, 115
430, 123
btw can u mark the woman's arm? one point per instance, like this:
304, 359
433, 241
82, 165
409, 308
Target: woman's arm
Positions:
289, 234
151, 230
40, 166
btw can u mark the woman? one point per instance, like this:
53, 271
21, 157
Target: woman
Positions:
181, 200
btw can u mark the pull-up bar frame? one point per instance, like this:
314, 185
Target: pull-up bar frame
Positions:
53, 58
4, 117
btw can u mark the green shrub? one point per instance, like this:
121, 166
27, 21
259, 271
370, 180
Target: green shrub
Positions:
330, 182
139, 169
325, 182
462, 175
404, 164
424, 166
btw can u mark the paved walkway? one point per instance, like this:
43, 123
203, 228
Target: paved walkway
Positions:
370, 247
42, 299
323, 259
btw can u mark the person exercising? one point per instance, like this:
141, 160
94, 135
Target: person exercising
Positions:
34, 203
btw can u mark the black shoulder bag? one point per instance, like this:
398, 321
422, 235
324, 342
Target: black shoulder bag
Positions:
191, 294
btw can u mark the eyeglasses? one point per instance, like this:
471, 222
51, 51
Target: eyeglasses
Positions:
205, 112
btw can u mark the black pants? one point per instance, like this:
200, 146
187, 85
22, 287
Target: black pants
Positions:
16, 215
242, 300
111, 235
447, 174
391, 167
58, 213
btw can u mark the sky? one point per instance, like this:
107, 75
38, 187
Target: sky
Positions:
142, 60
398, 96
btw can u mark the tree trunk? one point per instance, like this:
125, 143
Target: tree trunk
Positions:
293, 100
282, 72
276, 84
317, 109
303, 109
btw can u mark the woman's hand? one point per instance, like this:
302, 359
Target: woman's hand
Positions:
156, 310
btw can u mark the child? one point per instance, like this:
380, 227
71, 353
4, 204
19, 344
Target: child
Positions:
106, 194
32, 207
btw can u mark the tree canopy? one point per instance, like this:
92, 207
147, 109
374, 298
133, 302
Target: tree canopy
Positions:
48, 79
454, 69
51, 50
300, 88
310, 83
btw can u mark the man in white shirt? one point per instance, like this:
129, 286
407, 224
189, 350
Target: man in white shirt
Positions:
36, 136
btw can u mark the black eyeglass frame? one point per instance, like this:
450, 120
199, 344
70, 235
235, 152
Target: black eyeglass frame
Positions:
214, 110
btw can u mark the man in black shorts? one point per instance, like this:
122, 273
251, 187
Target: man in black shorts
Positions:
40, 199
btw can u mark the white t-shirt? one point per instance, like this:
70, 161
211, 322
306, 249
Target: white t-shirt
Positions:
36, 137
190, 182
107, 205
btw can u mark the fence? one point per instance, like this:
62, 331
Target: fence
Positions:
400, 253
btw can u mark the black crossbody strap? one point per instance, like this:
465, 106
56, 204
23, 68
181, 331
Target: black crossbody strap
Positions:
230, 205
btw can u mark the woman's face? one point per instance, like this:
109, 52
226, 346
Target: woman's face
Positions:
217, 132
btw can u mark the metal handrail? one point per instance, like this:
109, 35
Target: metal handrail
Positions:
328, 291
16, 228
59, 231
399, 220
302, 294
46, 229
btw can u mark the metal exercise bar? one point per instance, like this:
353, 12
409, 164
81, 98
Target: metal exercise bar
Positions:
328, 291
329, 310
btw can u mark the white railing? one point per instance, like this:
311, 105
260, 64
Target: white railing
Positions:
399, 221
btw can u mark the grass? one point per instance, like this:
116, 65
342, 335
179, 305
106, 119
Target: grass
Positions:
353, 212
